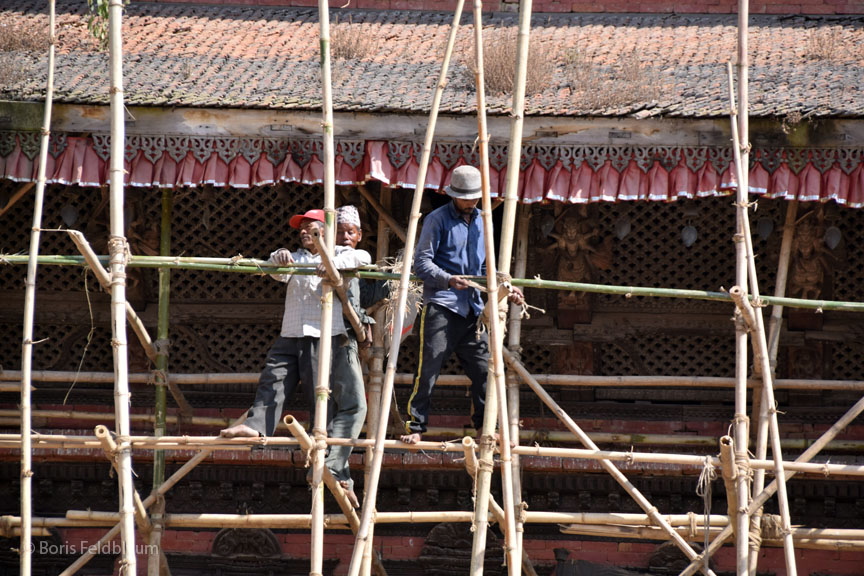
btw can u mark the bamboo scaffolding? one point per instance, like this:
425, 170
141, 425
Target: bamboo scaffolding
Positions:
117, 249
154, 563
296, 430
363, 538
152, 498
135, 321
761, 344
338, 286
496, 393
508, 223
689, 525
471, 465
563, 380
376, 367
689, 534
59, 441
730, 474
26, 479
605, 463
759, 499
760, 405
743, 325
104, 279
251, 266
322, 386
740, 143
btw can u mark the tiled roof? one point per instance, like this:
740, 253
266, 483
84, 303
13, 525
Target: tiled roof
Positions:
599, 65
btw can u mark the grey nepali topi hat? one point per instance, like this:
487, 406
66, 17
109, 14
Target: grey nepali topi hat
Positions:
464, 184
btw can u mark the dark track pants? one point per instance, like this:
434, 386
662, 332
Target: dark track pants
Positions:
443, 332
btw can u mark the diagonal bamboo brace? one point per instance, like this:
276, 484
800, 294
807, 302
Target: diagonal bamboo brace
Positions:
148, 501
134, 320
339, 287
336, 489
607, 465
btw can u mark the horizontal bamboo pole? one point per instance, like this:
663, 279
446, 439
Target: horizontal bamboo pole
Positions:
10, 417
563, 380
42, 441
697, 535
252, 266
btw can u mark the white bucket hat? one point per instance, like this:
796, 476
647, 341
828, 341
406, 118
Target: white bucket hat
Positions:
465, 184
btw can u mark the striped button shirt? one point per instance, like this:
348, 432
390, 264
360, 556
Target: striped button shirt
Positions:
303, 294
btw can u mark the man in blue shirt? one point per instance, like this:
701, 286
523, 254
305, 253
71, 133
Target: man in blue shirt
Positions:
451, 246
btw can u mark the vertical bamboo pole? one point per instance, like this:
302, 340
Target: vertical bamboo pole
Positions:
322, 387
162, 325
514, 156
376, 366
371, 489
118, 250
513, 384
741, 428
761, 352
29, 312
774, 326
495, 387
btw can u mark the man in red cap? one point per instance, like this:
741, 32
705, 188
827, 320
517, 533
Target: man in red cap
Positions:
294, 356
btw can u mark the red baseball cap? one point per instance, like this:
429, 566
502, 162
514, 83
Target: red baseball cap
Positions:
297, 219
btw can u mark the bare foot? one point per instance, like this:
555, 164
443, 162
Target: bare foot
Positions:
410, 438
239, 431
349, 493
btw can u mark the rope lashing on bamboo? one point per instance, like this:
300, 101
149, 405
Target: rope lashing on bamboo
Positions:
703, 489
158, 378
694, 527
772, 527
162, 346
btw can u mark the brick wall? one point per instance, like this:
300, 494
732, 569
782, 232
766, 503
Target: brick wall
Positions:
550, 6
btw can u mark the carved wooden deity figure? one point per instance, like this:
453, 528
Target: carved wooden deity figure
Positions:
581, 252
810, 258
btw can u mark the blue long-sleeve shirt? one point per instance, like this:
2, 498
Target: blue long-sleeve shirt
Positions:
450, 246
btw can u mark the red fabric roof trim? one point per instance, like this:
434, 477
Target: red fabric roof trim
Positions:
82, 161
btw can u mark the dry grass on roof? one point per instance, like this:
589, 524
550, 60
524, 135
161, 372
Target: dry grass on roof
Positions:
661, 65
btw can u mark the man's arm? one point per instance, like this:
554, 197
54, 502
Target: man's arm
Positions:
281, 257
424, 266
348, 258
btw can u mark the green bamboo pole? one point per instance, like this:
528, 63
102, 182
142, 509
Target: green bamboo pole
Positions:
260, 267
162, 325
24, 550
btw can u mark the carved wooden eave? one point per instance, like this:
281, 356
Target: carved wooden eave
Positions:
564, 159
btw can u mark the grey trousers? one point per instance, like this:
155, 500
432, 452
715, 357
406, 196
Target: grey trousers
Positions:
347, 409
292, 360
